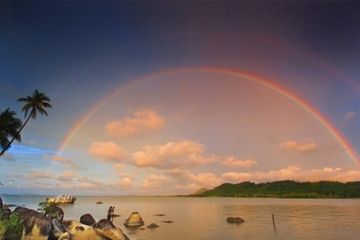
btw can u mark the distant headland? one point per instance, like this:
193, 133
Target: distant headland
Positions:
285, 189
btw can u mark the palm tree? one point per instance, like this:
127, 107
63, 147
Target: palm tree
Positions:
37, 102
9, 128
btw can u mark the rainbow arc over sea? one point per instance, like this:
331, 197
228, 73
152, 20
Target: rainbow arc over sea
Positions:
273, 85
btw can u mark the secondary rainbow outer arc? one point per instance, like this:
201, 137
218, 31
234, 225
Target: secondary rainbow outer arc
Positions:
304, 104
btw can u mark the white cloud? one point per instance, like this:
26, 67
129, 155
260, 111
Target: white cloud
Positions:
234, 162
171, 155
293, 146
156, 181
107, 151
63, 160
191, 181
141, 121
295, 173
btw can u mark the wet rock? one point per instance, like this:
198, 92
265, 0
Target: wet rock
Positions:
109, 230
36, 224
58, 230
152, 226
104, 224
99, 202
64, 199
65, 236
160, 215
168, 221
80, 231
235, 220
134, 220
88, 220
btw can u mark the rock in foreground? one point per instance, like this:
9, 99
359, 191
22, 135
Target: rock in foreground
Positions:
88, 220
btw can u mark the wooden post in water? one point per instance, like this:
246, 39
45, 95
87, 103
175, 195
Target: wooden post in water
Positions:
273, 220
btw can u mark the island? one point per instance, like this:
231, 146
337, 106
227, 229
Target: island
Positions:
285, 189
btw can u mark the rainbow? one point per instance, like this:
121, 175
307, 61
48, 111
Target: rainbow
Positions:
301, 102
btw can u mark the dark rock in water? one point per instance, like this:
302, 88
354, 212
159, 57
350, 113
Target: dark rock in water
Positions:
104, 224
99, 202
88, 220
142, 228
58, 229
153, 225
32, 218
168, 221
235, 220
9, 205
159, 215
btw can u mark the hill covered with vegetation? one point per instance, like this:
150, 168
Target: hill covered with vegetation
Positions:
285, 189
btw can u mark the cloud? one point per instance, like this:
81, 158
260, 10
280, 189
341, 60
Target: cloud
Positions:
107, 151
171, 155
63, 160
191, 181
295, 173
348, 117
68, 180
293, 146
141, 121
155, 181
239, 163
125, 182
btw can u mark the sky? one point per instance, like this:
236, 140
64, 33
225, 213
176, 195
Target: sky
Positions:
162, 98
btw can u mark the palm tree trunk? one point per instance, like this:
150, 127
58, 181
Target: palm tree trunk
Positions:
17, 134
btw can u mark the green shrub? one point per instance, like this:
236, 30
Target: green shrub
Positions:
11, 228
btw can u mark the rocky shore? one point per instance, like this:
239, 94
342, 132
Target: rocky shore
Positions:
28, 224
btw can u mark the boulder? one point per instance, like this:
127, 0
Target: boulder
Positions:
134, 220
104, 224
153, 225
64, 199
235, 220
36, 225
80, 231
58, 230
109, 230
88, 219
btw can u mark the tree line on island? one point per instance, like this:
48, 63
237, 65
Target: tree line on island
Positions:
11, 126
285, 189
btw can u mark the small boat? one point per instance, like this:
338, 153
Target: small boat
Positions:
134, 220
64, 199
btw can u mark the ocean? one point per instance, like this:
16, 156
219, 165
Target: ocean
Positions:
205, 218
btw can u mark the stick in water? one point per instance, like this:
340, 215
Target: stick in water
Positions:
273, 220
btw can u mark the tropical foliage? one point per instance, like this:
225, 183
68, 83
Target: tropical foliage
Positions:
11, 227
286, 189
51, 210
11, 127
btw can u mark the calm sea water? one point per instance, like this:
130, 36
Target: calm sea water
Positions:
205, 218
